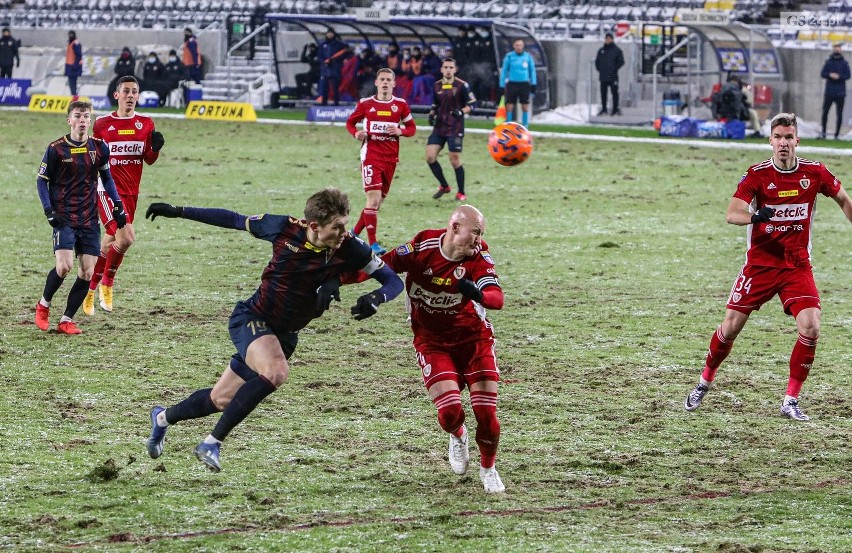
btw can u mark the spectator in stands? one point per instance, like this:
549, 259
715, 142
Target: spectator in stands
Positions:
173, 72
836, 73
731, 104
752, 117
483, 74
306, 81
393, 61
416, 67
608, 61
192, 59
461, 49
8, 53
405, 64
331, 57
125, 66
369, 64
73, 61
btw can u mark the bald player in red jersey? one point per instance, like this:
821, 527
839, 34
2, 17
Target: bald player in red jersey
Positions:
450, 281
386, 118
132, 139
776, 200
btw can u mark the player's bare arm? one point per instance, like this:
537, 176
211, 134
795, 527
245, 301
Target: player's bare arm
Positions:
738, 213
845, 203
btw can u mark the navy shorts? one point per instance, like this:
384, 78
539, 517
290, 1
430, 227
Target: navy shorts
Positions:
517, 91
454, 143
245, 326
83, 240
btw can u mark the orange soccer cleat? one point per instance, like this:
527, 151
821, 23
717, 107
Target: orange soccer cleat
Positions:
68, 327
42, 316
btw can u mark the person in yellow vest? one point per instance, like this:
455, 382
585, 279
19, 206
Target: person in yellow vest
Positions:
73, 61
191, 55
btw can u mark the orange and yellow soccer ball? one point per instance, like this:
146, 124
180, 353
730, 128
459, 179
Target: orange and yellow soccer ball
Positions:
510, 144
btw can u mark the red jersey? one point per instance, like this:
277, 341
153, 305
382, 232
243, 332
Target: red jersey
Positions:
784, 241
439, 311
129, 140
378, 117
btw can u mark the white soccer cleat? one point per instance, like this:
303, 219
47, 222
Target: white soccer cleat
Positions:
491, 480
790, 408
458, 454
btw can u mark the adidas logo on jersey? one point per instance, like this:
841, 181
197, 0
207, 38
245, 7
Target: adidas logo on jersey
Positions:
771, 186
428, 271
111, 128
372, 110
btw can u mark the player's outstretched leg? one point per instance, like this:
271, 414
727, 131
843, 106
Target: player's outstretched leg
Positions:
491, 480
158, 433
484, 405
693, 400
451, 419
790, 409
209, 455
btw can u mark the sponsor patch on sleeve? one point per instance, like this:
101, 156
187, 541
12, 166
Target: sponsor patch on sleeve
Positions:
256, 217
405, 249
487, 257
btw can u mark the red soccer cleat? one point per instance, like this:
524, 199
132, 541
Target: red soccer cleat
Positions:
68, 327
460, 197
42, 316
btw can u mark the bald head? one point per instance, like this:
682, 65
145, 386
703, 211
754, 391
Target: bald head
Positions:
464, 232
466, 214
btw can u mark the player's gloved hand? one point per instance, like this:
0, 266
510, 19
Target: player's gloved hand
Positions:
433, 118
157, 141
367, 305
469, 290
327, 291
54, 219
163, 209
457, 113
118, 215
532, 89
763, 215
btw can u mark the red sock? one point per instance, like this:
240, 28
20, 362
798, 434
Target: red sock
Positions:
99, 271
720, 347
359, 226
800, 364
371, 221
113, 260
450, 412
487, 426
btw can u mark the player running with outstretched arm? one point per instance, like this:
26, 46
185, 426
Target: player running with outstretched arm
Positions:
67, 187
775, 199
386, 118
297, 286
132, 140
451, 281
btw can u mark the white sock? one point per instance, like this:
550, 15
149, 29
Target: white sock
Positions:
788, 398
704, 382
43, 302
211, 440
161, 419
65, 318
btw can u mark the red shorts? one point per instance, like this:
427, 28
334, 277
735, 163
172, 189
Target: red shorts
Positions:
757, 285
464, 364
378, 175
105, 210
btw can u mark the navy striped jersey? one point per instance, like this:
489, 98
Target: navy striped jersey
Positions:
287, 296
70, 170
446, 98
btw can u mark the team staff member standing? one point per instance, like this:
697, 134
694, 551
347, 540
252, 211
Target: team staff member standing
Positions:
452, 98
386, 118
836, 73
776, 199
73, 61
519, 79
191, 56
609, 60
297, 286
67, 187
8, 54
132, 139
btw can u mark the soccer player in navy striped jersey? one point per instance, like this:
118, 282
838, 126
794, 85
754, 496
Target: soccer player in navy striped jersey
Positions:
451, 101
67, 187
297, 286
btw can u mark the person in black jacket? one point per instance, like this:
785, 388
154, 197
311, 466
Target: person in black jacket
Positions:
305, 81
608, 61
8, 54
836, 73
125, 66
152, 77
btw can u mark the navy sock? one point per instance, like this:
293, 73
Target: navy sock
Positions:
76, 296
197, 405
439, 174
460, 178
245, 400
54, 281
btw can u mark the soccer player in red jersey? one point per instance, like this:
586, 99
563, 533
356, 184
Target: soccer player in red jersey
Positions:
132, 139
775, 199
386, 118
67, 187
451, 101
451, 281
297, 286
